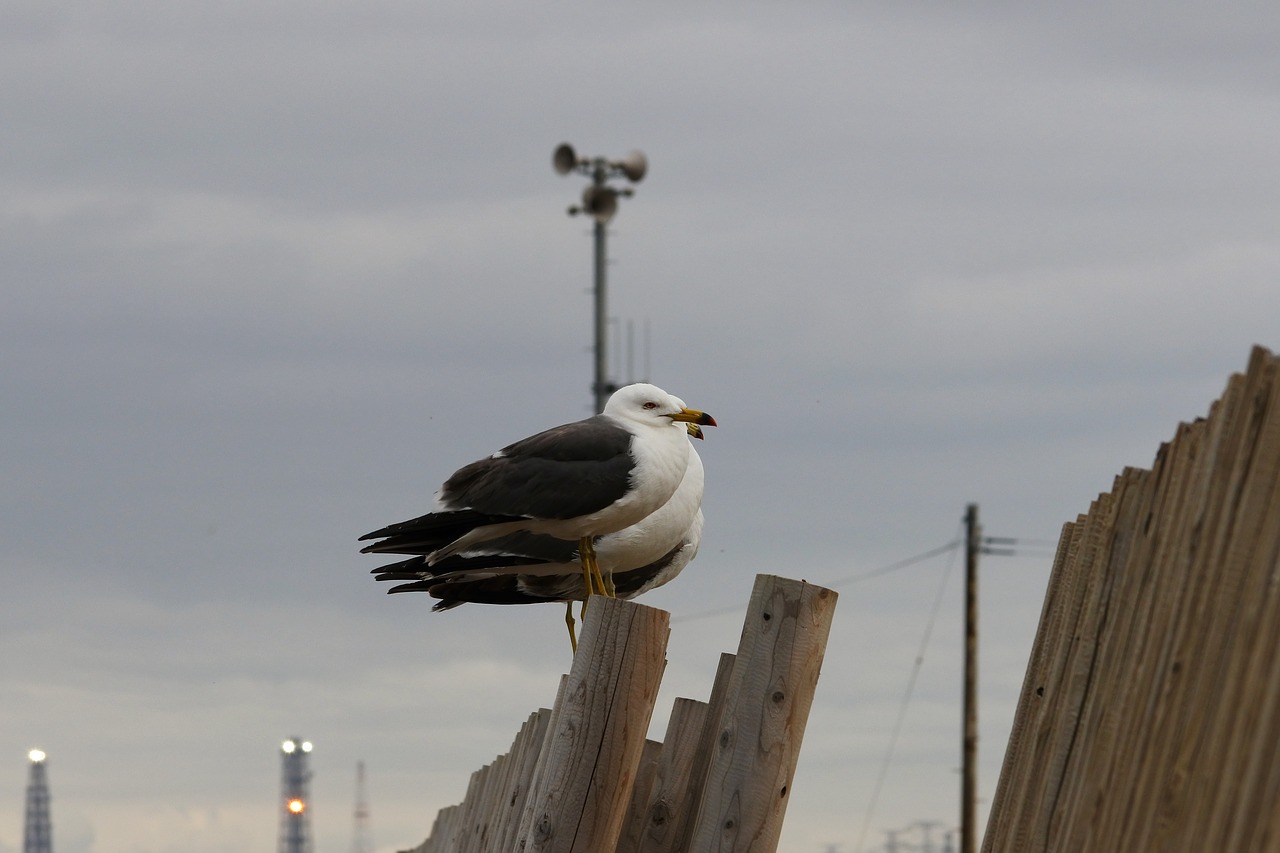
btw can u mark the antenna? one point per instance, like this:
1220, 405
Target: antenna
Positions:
361, 841
646, 373
631, 350
600, 202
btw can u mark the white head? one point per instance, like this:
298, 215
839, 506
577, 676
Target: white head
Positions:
649, 404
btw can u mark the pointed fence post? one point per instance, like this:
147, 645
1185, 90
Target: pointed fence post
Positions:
585, 785
748, 784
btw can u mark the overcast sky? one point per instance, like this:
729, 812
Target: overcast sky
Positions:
272, 271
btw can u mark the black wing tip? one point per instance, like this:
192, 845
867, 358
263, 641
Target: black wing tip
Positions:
415, 586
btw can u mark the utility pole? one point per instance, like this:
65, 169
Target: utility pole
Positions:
600, 202
969, 764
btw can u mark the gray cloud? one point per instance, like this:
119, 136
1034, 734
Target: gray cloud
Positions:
273, 272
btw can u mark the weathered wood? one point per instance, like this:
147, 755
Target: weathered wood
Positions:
581, 777
779, 659
528, 813
521, 779
1149, 718
460, 825
633, 825
581, 800
670, 794
686, 818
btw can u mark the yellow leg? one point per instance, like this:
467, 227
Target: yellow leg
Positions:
590, 565
586, 573
568, 620
590, 569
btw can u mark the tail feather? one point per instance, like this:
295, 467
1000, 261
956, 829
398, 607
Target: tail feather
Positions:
418, 567
430, 532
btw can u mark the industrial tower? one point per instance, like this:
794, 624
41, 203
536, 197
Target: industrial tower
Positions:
37, 834
295, 797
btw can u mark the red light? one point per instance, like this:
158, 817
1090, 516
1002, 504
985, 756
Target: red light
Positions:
297, 806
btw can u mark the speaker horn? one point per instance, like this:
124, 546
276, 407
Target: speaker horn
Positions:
600, 202
565, 159
634, 165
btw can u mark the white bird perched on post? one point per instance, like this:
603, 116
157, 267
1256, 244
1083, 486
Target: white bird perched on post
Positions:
579, 481
525, 568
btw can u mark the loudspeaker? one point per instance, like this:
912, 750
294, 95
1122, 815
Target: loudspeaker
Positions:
565, 158
634, 165
600, 202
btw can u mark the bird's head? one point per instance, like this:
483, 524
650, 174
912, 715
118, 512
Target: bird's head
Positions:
650, 404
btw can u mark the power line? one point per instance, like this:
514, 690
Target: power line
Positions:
901, 564
845, 581
911, 686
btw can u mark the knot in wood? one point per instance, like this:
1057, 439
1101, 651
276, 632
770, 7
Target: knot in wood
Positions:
543, 830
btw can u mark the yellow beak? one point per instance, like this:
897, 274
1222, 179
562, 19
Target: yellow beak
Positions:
693, 416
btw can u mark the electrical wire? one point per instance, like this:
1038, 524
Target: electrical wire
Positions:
911, 686
846, 581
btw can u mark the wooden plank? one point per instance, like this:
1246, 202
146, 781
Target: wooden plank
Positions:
1011, 787
1238, 730
463, 837
483, 826
527, 814
775, 676
521, 778
581, 800
633, 825
500, 806
1160, 633
669, 795
699, 766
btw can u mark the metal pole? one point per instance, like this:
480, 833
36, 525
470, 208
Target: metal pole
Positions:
969, 772
600, 202
601, 385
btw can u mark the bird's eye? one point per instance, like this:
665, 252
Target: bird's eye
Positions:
651, 405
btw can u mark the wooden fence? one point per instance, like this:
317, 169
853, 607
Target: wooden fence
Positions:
1149, 719
582, 777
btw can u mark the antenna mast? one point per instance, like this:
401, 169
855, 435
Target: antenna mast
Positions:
361, 841
600, 202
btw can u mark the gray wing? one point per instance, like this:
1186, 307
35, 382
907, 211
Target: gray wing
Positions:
564, 472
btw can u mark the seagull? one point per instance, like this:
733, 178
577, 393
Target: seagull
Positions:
531, 568
578, 481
